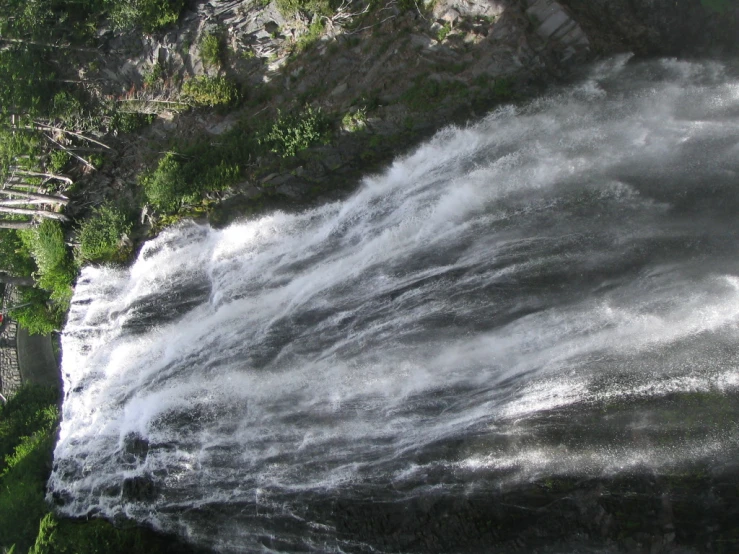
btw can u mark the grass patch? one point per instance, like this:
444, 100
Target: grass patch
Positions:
209, 91
289, 8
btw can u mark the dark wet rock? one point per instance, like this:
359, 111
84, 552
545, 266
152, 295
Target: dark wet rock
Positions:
657, 27
140, 488
61, 498
112, 490
135, 446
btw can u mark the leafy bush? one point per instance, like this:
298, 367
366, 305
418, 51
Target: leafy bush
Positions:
211, 49
126, 122
150, 15
355, 120
290, 8
291, 133
100, 236
184, 179
15, 257
55, 271
58, 160
27, 431
314, 33
153, 75
209, 91
22, 416
165, 187
39, 315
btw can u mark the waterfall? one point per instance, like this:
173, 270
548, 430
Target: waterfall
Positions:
552, 290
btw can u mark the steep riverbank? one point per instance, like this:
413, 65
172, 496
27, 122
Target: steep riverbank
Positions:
384, 76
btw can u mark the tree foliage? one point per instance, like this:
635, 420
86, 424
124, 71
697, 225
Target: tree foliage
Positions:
101, 236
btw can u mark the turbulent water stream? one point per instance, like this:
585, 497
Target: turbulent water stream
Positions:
551, 291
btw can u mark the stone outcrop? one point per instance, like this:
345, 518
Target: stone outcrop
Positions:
659, 27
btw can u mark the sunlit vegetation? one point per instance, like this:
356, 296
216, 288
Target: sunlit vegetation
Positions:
28, 424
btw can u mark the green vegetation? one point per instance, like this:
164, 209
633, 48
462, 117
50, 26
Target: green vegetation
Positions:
291, 133
149, 15
101, 236
55, 271
211, 49
717, 6
154, 76
28, 425
444, 31
41, 316
289, 8
315, 31
355, 120
182, 180
210, 91
27, 431
165, 186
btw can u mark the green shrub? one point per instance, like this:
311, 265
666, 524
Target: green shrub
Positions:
209, 91
291, 133
23, 415
38, 314
58, 160
126, 122
27, 432
165, 187
150, 15
153, 76
211, 49
15, 257
55, 271
289, 8
100, 236
65, 106
315, 31
444, 31
355, 120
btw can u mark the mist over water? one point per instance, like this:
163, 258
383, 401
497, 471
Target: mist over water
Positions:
553, 290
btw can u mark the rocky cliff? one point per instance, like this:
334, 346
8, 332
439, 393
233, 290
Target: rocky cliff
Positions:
390, 72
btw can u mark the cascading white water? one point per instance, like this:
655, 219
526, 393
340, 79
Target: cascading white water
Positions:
553, 290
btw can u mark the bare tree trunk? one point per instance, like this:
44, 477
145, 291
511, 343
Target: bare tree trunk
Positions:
22, 202
9, 279
16, 224
40, 213
46, 44
38, 126
47, 198
71, 153
47, 175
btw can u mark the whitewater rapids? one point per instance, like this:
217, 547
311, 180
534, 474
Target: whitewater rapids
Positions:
553, 290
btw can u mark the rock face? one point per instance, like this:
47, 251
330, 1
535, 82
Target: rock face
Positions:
659, 27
